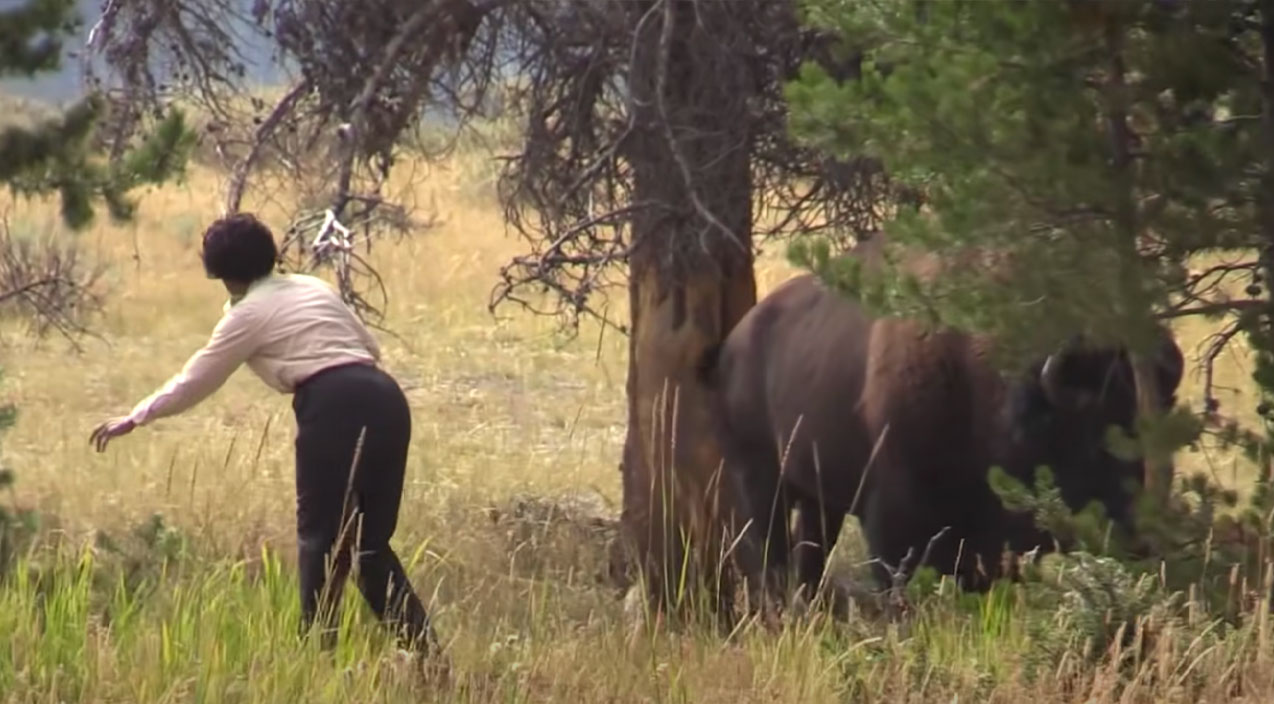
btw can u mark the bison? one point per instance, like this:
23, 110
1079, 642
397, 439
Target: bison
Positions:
822, 408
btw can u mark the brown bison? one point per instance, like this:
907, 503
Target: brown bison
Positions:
823, 409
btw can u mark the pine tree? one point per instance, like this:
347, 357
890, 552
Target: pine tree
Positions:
1099, 147
57, 156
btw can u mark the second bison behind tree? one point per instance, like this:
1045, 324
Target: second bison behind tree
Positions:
899, 426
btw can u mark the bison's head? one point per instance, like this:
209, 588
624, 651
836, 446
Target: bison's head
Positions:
1062, 414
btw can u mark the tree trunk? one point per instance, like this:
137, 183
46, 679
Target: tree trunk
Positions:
1158, 471
1265, 200
690, 278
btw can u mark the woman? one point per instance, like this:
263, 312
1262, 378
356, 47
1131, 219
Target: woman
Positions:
299, 337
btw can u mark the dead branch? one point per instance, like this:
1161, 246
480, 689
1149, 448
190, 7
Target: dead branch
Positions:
571, 176
366, 71
46, 284
239, 177
562, 66
1216, 343
360, 142
355, 130
1215, 308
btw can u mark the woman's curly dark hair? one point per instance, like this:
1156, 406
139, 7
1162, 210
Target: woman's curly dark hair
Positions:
239, 247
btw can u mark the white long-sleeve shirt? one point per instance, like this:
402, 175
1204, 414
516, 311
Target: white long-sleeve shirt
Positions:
285, 328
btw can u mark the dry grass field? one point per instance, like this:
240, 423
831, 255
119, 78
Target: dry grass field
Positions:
509, 416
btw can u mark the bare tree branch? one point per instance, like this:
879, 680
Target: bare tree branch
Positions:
560, 65
1216, 308
367, 67
239, 178
571, 175
1216, 345
45, 283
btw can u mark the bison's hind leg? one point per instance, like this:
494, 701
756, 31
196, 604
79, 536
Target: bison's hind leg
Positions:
763, 548
955, 537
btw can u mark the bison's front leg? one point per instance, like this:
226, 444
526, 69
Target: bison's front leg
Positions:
905, 526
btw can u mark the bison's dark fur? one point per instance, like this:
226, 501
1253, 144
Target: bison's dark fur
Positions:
808, 380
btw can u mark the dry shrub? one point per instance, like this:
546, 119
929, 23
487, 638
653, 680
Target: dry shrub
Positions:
46, 283
549, 536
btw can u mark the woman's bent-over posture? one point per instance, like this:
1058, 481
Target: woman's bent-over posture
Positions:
299, 337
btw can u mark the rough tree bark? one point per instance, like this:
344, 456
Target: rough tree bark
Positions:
690, 280
1158, 470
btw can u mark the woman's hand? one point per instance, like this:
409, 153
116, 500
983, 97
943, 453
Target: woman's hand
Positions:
112, 428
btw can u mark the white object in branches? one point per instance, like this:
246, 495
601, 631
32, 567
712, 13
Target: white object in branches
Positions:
325, 239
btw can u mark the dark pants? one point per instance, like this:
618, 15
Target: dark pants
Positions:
331, 408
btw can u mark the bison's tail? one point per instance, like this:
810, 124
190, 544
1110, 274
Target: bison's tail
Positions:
706, 369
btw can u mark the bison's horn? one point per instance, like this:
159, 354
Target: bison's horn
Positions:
1049, 380
1054, 390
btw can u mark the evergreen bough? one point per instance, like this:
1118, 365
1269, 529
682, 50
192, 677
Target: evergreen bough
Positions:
58, 155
